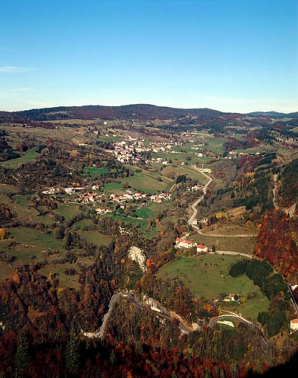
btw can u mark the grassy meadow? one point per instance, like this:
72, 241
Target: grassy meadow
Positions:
221, 243
208, 276
26, 157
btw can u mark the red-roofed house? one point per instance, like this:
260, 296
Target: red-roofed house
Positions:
202, 248
182, 243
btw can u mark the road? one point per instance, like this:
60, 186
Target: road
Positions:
100, 332
238, 317
200, 199
195, 211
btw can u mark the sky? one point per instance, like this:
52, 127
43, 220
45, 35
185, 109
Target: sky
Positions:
228, 55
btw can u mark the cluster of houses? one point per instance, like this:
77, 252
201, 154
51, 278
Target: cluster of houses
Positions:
129, 196
93, 197
127, 153
186, 244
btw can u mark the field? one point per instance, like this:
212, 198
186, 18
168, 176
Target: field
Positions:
29, 155
235, 244
96, 238
228, 231
148, 182
67, 211
4, 188
188, 171
30, 242
95, 170
150, 211
215, 145
207, 276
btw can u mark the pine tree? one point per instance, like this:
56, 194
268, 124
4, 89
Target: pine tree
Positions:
72, 355
22, 353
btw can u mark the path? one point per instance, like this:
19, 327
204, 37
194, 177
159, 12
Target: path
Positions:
195, 211
195, 204
290, 210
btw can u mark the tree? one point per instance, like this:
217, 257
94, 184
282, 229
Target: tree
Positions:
22, 354
72, 355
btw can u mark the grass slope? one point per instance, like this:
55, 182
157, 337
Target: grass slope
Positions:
207, 276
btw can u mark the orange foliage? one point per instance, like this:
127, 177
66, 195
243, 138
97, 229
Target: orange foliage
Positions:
16, 278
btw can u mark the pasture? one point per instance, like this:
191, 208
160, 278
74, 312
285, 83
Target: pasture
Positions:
221, 243
207, 276
214, 144
67, 210
96, 238
27, 156
188, 170
148, 182
29, 242
96, 170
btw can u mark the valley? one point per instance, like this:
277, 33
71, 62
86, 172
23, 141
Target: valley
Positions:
202, 194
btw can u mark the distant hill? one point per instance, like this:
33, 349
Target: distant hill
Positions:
268, 114
141, 111
200, 116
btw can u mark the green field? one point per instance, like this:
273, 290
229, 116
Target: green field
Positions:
30, 242
67, 211
215, 144
114, 188
28, 156
207, 276
95, 170
188, 171
96, 238
150, 211
148, 182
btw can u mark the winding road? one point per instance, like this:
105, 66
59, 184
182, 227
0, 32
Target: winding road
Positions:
230, 315
200, 199
100, 332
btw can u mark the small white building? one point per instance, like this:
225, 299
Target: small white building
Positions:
202, 248
294, 324
70, 190
182, 243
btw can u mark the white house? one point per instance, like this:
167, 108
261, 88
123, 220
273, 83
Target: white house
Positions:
202, 248
70, 190
294, 324
182, 243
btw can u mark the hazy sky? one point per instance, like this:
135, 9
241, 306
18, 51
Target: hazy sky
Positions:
228, 55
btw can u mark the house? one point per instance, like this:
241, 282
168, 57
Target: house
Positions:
70, 190
294, 324
101, 210
202, 248
90, 198
195, 221
196, 187
182, 243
